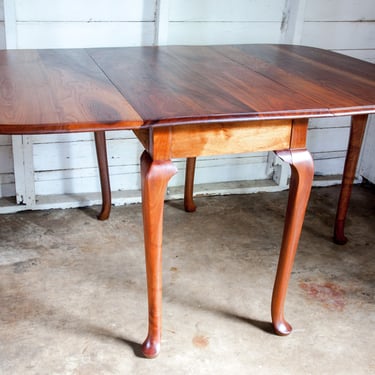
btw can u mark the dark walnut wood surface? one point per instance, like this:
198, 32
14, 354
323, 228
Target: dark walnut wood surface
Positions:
177, 84
225, 99
45, 91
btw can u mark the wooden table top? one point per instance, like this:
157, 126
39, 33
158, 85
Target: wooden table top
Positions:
47, 91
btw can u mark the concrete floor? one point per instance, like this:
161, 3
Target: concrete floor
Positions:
73, 296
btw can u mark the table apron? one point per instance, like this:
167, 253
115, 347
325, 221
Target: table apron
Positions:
165, 143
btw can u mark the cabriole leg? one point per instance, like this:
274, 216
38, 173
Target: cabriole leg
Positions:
155, 176
101, 153
357, 131
302, 168
189, 185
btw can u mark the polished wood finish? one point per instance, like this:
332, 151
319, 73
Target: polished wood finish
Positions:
226, 138
202, 84
159, 144
129, 88
187, 102
56, 91
187, 141
357, 130
101, 154
189, 204
299, 191
155, 176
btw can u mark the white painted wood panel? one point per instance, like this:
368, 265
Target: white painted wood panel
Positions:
339, 35
7, 187
330, 139
222, 22
366, 54
327, 141
5, 140
83, 34
224, 10
22, 147
82, 154
367, 166
72, 166
83, 23
2, 25
75, 137
329, 122
2, 35
329, 166
225, 168
231, 169
223, 32
328, 148
6, 159
344, 26
85, 10
340, 10
292, 22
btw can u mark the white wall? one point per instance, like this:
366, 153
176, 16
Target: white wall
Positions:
348, 27
367, 163
84, 23
7, 187
70, 167
222, 21
2, 27
345, 26
6, 166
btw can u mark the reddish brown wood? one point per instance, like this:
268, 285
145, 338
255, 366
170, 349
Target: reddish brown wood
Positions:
189, 185
299, 191
229, 137
262, 60
101, 153
124, 88
339, 83
56, 91
299, 133
182, 85
151, 90
155, 176
357, 130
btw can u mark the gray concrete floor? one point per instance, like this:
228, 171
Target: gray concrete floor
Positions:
73, 296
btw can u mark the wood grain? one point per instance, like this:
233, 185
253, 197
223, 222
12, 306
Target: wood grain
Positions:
48, 91
343, 84
229, 138
191, 84
302, 169
186, 141
186, 102
155, 176
357, 131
